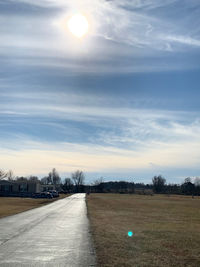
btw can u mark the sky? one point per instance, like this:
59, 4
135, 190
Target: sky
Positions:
122, 103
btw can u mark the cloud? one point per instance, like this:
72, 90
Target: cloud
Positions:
149, 4
40, 157
97, 139
24, 8
186, 40
110, 46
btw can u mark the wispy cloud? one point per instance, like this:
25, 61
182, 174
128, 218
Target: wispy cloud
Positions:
43, 40
36, 157
186, 40
129, 138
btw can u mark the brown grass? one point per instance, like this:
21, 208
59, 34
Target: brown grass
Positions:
166, 230
13, 205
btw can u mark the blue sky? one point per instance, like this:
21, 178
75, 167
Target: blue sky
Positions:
122, 102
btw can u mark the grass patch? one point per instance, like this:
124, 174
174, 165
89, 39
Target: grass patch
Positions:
166, 230
13, 205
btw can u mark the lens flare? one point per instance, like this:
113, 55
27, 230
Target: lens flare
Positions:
130, 233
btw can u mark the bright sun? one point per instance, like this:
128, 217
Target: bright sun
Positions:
78, 25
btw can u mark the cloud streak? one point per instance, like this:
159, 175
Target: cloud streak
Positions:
129, 138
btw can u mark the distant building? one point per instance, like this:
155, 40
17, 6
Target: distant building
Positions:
22, 188
47, 187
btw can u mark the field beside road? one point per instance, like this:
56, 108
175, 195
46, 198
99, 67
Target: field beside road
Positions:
166, 230
14, 205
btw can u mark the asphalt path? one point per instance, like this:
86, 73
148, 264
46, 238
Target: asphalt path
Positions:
53, 235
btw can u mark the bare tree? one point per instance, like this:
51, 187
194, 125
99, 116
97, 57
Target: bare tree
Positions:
188, 187
2, 174
49, 179
187, 180
54, 177
44, 180
10, 175
158, 184
98, 181
78, 178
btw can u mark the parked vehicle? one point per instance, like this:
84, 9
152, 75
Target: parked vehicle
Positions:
54, 193
43, 195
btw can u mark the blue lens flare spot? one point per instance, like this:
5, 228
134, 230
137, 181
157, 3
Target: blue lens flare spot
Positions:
130, 234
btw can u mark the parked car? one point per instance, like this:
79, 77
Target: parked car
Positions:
43, 195
54, 193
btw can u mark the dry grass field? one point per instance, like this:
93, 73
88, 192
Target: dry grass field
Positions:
13, 205
166, 230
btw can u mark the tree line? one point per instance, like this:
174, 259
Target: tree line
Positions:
76, 183
158, 186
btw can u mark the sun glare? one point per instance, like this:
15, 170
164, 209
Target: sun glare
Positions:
78, 25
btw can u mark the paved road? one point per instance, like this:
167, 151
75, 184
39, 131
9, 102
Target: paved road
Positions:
53, 235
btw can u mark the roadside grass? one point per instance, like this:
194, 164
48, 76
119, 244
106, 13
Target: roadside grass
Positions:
166, 230
14, 205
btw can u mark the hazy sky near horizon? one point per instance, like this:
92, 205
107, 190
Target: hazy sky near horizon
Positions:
123, 102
